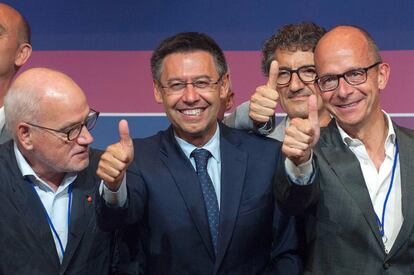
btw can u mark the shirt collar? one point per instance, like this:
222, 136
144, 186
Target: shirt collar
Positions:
353, 142
28, 172
213, 145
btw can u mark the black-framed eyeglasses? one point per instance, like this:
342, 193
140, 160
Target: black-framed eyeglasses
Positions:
353, 77
201, 84
73, 132
307, 74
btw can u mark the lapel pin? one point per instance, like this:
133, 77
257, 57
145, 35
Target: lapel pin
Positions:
89, 199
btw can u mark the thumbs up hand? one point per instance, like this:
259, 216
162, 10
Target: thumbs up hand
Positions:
302, 135
264, 100
116, 159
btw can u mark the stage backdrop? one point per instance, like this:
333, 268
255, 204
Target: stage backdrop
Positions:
106, 45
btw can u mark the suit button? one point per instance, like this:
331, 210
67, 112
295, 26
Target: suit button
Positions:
386, 265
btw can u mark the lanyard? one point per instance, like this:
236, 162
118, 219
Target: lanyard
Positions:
49, 220
381, 222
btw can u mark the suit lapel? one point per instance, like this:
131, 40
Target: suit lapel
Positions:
33, 213
186, 180
406, 157
233, 170
347, 168
82, 214
31, 209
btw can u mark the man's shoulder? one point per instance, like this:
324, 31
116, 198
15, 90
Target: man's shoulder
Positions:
150, 141
250, 141
407, 131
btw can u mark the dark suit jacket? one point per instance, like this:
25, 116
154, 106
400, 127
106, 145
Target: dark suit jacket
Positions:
165, 197
26, 241
343, 235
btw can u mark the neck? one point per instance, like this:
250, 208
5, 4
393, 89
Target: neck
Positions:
373, 135
200, 139
50, 177
53, 180
324, 117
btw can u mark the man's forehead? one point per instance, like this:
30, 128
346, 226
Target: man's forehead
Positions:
192, 64
294, 59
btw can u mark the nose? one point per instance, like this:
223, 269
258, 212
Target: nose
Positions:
295, 83
85, 137
344, 88
190, 94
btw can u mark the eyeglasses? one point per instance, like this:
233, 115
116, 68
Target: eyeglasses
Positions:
353, 77
307, 74
73, 132
199, 84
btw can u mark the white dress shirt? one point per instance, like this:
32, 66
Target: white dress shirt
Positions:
378, 182
55, 203
119, 197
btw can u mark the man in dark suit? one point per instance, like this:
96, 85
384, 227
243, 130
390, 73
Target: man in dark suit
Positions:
47, 217
15, 50
198, 216
360, 207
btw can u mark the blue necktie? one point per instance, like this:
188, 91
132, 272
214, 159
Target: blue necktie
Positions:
201, 157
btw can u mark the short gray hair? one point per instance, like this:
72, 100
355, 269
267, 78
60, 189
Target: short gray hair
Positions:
21, 106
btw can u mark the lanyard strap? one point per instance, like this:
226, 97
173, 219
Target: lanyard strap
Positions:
49, 220
381, 223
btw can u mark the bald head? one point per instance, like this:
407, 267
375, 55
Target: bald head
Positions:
15, 22
345, 41
37, 93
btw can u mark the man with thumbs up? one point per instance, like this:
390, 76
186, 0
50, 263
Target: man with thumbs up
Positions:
288, 62
361, 205
47, 218
201, 191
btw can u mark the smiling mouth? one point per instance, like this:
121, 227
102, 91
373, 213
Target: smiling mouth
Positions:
192, 112
349, 105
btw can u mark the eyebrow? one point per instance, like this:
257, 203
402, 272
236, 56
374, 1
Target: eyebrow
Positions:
192, 78
288, 68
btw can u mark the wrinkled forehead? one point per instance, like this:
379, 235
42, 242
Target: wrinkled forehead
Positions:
294, 59
342, 58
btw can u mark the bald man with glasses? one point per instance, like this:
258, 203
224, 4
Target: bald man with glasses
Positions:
360, 208
47, 218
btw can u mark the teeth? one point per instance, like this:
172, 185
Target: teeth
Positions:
192, 112
348, 105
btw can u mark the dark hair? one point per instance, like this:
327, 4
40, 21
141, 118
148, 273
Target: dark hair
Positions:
187, 42
293, 37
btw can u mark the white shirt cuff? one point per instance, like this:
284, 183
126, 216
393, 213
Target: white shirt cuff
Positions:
302, 174
117, 198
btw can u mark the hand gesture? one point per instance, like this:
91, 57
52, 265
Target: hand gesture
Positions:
302, 135
264, 100
116, 159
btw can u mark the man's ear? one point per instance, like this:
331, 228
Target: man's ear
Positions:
224, 88
383, 75
157, 92
24, 136
23, 54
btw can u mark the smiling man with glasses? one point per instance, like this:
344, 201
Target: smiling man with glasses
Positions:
201, 191
48, 179
287, 61
360, 208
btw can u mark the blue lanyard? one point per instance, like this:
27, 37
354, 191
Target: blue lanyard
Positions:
381, 222
62, 249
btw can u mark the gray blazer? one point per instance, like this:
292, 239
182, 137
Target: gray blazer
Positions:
342, 232
240, 119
